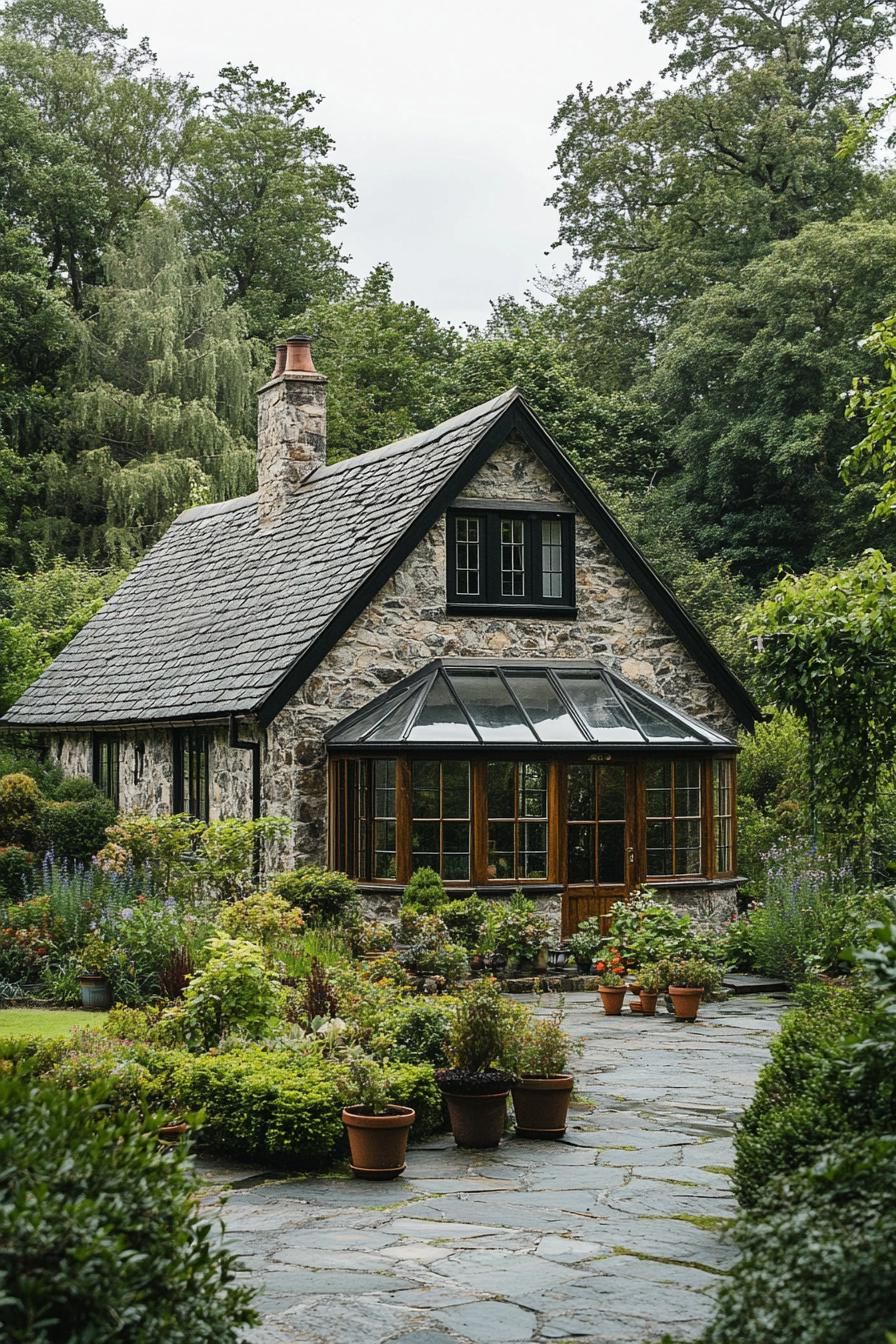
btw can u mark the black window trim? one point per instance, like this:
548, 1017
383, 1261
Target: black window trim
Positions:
490, 599
111, 787
198, 743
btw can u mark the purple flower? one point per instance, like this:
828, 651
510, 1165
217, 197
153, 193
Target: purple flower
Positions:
126, 912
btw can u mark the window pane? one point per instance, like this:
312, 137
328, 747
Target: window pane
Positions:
581, 853
659, 848
440, 718
425, 789
687, 846
513, 557
581, 792
456, 840
491, 707
551, 558
384, 788
387, 723
611, 854
724, 822
467, 556
457, 867
612, 792
533, 779
456, 789
500, 788
599, 708
659, 789
533, 843
552, 720
384, 849
501, 857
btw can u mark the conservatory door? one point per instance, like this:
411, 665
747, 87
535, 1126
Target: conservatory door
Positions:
599, 841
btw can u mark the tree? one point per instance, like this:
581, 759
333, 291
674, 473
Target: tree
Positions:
752, 382
875, 403
40, 613
386, 361
613, 437
262, 196
164, 411
665, 192
90, 130
827, 651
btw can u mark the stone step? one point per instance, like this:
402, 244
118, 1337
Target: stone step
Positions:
755, 984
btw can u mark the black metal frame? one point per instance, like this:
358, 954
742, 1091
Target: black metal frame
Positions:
490, 598
191, 788
108, 780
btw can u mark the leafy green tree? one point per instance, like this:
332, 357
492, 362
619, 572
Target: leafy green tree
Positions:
386, 362
665, 191
874, 403
165, 410
262, 195
37, 338
751, 382
827, 651
90, 130
40, 613
612, 436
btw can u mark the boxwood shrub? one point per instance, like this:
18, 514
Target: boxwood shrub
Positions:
816, 1262
75, 829
100, 1235
814, 1090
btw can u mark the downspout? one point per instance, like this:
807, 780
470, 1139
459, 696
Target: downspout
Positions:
248, 744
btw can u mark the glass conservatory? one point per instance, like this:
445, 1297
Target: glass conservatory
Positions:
559, 776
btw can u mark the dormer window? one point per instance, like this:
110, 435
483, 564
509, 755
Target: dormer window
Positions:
505, 558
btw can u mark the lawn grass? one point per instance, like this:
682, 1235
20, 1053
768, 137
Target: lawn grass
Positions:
47, 1022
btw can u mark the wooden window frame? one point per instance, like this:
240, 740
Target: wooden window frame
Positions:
106, 764
532, 601
674, 817
360, 866
517, 821
442, 820
192, 785
730, 816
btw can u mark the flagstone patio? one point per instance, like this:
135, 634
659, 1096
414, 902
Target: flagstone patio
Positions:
615, 1234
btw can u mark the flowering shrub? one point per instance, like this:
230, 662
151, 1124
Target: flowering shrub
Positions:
262, 918
517, 930
646, 928
233, 993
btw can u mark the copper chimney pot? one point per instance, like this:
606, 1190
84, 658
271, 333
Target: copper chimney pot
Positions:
298, 355
279, 360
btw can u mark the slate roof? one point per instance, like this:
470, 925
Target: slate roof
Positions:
223, 617
218, 611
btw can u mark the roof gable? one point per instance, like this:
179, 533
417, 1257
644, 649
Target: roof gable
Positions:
223, 617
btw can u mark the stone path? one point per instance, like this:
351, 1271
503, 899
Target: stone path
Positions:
615, 1234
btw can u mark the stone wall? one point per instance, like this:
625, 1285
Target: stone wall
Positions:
150, 788
406, 626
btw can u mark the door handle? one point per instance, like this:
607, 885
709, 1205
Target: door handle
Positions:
630, 854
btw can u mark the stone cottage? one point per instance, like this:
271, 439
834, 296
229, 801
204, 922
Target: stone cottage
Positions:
445, 651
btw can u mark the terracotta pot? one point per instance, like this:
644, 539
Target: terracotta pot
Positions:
648, 1002
477, 1120
173, 1133
685, 1001
378, 1143
612, 999
540, 1106
635, 1005
96, 992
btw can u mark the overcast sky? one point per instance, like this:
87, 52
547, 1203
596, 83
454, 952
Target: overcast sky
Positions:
440, 110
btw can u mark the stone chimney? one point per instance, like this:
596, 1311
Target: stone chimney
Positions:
292, 427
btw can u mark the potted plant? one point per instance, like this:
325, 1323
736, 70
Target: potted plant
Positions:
172, 1132
688, 981
93, 981
377, 1130
476, 1087
651, 981
374, 939
520, 933
611, 988
538, 1055
581, 947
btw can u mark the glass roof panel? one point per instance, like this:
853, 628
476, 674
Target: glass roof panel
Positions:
550, 717
395, 712
393, 726
657, 726
440, 718
491, 707
598, 707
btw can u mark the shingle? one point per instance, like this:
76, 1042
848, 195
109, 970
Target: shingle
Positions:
218, 611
